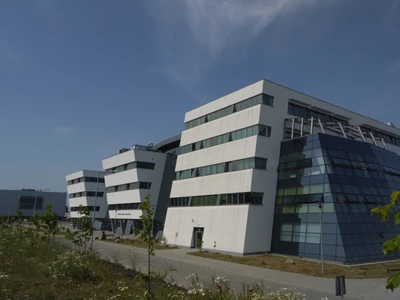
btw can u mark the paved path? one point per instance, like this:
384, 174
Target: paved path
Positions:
179, 265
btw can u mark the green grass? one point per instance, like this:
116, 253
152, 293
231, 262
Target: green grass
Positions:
34, 267
38, 268
306, 267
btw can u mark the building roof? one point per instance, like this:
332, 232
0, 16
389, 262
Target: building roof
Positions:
167, 144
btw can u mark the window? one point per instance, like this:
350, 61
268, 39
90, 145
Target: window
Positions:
28, 202
260, 99
303, 112
129, 186
242, 164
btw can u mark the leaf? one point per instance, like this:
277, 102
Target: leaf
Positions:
394, 198
393, 282
388, 247
375, 210
384, 212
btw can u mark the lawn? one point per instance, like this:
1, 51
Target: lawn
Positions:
137, 243
306, 267
35, 267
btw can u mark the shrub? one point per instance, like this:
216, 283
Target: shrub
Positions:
70, 265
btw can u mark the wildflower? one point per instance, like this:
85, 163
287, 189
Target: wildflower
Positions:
250, 291
219, 286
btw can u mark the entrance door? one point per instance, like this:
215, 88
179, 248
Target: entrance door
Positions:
197, 236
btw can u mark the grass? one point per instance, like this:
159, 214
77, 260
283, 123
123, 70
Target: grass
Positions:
34, 267
138, 244
305, 267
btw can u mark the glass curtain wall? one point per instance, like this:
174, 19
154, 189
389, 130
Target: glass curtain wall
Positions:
348, 178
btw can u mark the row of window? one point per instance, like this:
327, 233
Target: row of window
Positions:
86, 194
79, 208
129, 186
304, 190
301, 233
133, 165
390, 139
86, 179
28, 202
228, 137
260, 99
237, 165
224, 199
303, 112
124, 206
311, 208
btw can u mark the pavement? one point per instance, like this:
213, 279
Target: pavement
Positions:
178, 265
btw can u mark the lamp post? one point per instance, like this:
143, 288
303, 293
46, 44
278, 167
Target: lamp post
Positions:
154, 216
321, 208
94, 210
34, 205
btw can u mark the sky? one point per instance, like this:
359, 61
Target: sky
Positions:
81, 79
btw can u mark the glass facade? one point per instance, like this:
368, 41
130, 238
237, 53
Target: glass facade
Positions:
340, 180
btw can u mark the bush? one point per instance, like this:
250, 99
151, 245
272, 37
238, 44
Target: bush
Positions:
70, 265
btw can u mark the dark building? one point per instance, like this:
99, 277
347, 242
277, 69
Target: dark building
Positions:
337, 181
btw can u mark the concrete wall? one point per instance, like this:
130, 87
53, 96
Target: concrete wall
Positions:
224, 225
134, 175
88, 187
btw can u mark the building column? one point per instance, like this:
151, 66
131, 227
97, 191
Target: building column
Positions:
113, 226
123, 226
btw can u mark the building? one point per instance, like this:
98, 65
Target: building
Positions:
240, 169
136, 173
86, 188
30, 201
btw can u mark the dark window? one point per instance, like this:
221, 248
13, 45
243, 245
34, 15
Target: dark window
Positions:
259, 99
28, 202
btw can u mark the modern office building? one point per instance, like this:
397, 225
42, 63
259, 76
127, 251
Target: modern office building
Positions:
31, 201
136, 173
86, 188
267, 152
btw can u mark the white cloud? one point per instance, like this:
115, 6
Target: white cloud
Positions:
63, 130
192, 34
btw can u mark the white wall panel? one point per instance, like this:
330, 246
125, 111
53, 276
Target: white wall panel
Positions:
242, 119
226, 226
232, 182
235, 97
235, 150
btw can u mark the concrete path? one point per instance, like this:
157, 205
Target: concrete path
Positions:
179, 265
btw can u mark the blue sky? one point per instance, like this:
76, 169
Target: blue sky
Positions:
81, 79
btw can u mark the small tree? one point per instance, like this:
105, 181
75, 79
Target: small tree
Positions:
19, 218
50, 221
146, 235
81, 238
392, 245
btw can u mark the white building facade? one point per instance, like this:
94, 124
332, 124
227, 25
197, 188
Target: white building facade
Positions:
224, 193
134, 174
86, 188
